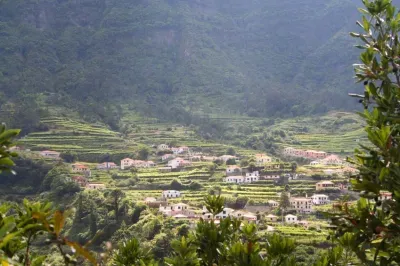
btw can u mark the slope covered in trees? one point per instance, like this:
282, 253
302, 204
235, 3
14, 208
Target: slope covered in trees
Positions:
244, 57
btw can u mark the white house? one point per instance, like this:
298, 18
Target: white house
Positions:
272, 176
106, 165
50, 154
320, 199
289, 151
301, 205
315, 163
162, 147
234, 179
243, 215
126, 163
93, 185
273, 203
178, 162
262, 159
222, 215
171, 194
252, 177
290, 219
233, 169
225, 158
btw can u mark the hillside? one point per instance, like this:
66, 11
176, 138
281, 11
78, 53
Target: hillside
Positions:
257, 58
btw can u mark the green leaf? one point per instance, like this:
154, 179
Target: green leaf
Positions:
365, 24
59, 220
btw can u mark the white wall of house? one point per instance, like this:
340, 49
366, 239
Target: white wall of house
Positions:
171, 194
290, 219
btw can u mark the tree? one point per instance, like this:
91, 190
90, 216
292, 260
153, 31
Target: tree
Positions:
231, 161
6, 137
184, 254
372, 220
231, 151
116, 197
69, 156
130, 253
284, 202
143, 153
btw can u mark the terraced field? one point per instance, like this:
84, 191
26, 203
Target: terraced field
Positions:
336, 132
78, 136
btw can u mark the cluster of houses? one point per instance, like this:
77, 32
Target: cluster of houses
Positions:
309, 154
184, 211
248, 178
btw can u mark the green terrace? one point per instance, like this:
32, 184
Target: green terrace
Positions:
78, 136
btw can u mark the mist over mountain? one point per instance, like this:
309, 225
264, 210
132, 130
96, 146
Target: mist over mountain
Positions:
255, 57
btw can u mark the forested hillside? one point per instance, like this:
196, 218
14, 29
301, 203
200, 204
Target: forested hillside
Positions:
256, 57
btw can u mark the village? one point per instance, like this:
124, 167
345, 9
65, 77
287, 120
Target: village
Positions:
307, 188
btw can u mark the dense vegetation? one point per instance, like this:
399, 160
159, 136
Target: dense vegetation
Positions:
254, 57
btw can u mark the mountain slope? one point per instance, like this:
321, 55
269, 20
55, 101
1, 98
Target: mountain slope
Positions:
275, 57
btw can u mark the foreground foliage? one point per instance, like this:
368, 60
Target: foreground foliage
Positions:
374, 222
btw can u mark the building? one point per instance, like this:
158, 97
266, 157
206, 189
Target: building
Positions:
77, 167
233, 169
180, 150
234, 179
332, 160
167, 156
80, 180
272, 176
262, 159
289, 151
385, 195
225, 158
252, 177
128, 163
350, 170
271, 218
176, 209
178, 162
162, 147
273, 203
106, 166
310, 154
50, 154
148, 164
222, 215
320, 199
290, 219
95, 185
243, 215
301, 205
170, 194
155, 203
315, 163
324, 185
